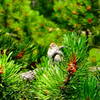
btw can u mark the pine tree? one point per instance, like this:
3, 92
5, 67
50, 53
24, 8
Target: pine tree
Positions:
76, 14
67, 79
23, 26
24, 38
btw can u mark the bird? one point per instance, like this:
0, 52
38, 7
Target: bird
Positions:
54, 52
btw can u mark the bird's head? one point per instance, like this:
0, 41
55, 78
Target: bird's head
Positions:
53, 45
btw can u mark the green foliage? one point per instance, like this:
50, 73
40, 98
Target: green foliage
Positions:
19, 19
75, 45
22, 49
91, 88
94, 56
11, 84
49, 79
82, 86
23, 31
44, 7
73, 89
77, 14
9, 77
24, 39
